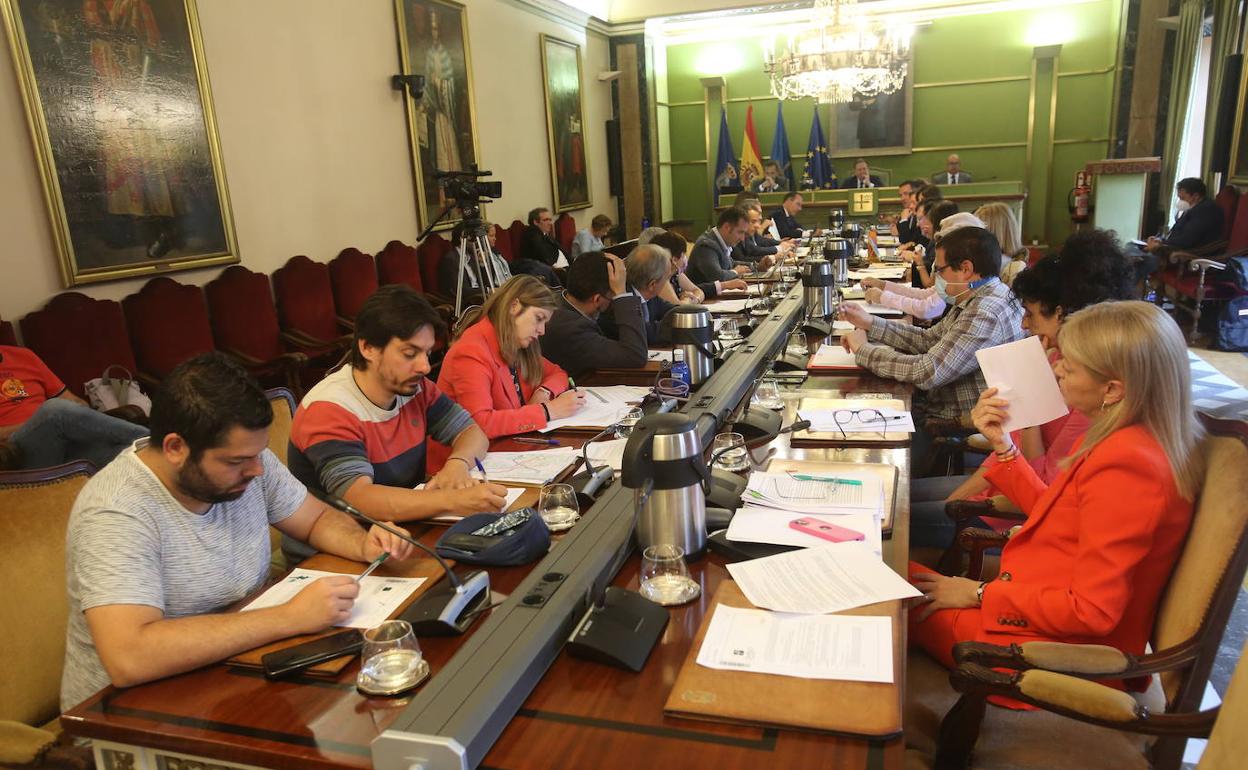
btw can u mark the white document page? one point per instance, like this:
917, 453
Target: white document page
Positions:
756, 524
846, 647
728, 306
816, 581
875, 309
602, 407
379, 596
660, 356
834, 355
562, 261
533, 468
888, 420
608, 452
1022, 373
816, 492
513, 494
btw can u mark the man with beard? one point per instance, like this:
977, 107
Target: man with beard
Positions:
176, 529
361, 432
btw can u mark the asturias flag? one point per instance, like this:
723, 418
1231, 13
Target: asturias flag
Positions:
751, 161
780, 153
818, 174
726, 178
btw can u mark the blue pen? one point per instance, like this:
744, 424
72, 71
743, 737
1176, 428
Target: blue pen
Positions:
536, 441
481, 468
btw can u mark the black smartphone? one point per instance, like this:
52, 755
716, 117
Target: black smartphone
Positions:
283, 662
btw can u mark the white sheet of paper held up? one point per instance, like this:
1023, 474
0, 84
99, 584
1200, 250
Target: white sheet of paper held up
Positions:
379, 596
816, 581
847, 647
1021, 372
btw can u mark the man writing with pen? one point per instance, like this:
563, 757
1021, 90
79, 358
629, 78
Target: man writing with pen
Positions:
362, 433
176, 529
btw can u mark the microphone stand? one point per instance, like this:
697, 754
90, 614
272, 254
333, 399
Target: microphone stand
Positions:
446, 610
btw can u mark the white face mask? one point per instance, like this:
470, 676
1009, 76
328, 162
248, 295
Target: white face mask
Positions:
1182, 206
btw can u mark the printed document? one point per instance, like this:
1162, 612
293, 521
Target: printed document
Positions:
603, 406
1021, 372
816, 581
728, 306
379, 596
833, 356
847, 647
755, 524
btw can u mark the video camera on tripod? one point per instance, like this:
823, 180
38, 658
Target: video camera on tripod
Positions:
464, 191
467, 189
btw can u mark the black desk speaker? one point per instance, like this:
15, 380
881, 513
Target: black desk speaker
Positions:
621, 632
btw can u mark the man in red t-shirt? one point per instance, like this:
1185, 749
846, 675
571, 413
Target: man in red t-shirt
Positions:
43, 424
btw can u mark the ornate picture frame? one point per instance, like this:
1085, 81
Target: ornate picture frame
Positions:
442, 124
120, 113
881, 125
1238, 165
562, 82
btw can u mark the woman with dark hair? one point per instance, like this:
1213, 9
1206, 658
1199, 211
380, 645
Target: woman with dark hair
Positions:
1090, 268
931, 213
681, 289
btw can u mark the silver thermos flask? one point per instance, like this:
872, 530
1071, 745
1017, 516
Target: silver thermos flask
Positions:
664, 467
691, 330
838, 251
818, 286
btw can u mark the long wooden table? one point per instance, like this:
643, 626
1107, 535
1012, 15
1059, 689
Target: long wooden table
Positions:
581, 715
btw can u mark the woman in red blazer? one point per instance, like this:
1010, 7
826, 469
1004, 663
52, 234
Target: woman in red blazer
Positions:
495, 369
1100, 542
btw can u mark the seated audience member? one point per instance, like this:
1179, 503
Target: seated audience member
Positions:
1000, 220
539, 252
923, 304
953, 173
361, 433
940, 360
42, 423
932, 214
906, 225
176, 529
681, 289
1089, 269
648, 235
1198, 223
648, 269
927, 192
711, 257
862, 177
496, 371
590, 239
474, 271
574, 340
785, 217
1100, 542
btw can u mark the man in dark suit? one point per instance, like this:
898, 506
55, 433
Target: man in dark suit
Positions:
906, 228
953, 173
756, 248
711, 257
474, 274
862, 177
785, 217
539, 252
648, 269
1200, 221
574, 340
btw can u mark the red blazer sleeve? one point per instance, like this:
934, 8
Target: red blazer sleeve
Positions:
1018, 481
473, 377
554, 378
1120, 497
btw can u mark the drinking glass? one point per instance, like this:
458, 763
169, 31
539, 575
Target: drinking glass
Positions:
728, 330
767, 395
797, 344
558, 507
626, 419
730, 452
392, 659
665, 576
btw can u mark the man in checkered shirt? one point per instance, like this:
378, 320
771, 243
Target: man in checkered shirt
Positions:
941, 360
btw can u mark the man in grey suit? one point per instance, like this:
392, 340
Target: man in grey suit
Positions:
953, 173
573, 340
711, 257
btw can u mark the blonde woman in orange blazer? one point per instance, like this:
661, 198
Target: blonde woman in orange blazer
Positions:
1100, 542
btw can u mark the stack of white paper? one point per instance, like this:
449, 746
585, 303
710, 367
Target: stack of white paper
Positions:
728, 306
535, 467
834, 356
603, 406
772, 501
378, 599
816, 581
860, 420
875, 309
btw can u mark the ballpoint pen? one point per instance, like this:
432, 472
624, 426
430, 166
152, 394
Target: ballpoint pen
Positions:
480, 467
830, 479
571, 384
536, 441
376, 563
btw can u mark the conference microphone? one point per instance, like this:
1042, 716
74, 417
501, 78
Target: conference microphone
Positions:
446, 610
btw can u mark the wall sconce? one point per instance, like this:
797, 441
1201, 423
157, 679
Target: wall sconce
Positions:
415, 84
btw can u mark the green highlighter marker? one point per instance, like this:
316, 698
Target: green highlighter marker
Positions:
829, 479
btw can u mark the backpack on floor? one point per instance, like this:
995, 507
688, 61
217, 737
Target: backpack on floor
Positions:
1232, 330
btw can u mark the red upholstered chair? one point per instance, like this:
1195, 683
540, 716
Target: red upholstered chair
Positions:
430, 253
168, 323
7, 337
516, 231
244, 324
1229, 200
305, 308
353, 275
565, 231
504, 244
399, 263
78, 337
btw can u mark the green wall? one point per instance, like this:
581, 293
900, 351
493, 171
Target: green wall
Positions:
947, 115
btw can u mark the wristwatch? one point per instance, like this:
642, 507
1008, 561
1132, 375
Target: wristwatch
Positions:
979, 593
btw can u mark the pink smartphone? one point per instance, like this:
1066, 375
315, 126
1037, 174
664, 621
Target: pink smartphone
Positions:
826, 531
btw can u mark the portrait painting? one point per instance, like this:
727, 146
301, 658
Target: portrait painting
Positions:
872, 125
1239, 138
120, 112
565, 123
433, 43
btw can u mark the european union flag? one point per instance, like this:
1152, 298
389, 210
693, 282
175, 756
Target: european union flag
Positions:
780, 152
818, 174
726, 177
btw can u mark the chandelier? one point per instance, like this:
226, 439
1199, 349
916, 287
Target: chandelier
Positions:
843, 56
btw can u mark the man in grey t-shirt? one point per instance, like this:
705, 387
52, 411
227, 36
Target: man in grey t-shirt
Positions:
176, 529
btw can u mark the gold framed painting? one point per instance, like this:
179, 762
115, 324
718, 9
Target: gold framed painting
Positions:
873, 125
120, 113
442, 123
1239, 139
565, 123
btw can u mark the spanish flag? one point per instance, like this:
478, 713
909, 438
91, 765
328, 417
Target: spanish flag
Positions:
751, 162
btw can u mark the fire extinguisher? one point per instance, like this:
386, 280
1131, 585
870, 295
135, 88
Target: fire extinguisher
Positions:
1080, 199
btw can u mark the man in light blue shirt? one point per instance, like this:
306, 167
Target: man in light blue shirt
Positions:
590, 239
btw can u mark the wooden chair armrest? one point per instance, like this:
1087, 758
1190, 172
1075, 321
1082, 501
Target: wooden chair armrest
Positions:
150, 381
975, 541
21, 744
965, 510
346, 323
942, 427
129, 413
1202, 265
1089, 660
302, 339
